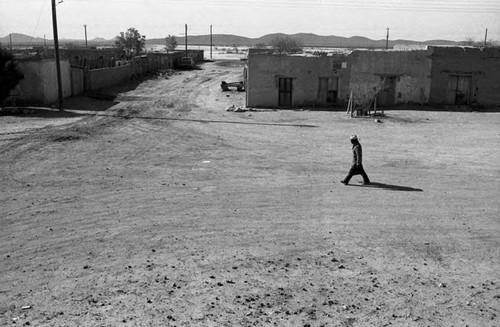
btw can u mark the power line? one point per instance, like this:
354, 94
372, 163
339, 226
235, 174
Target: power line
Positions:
414, 3
37, 22
310, 3
419, 5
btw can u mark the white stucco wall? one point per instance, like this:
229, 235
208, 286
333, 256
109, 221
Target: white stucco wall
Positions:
39, 85
411, 70
264, 71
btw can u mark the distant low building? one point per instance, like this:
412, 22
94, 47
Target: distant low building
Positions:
409, 47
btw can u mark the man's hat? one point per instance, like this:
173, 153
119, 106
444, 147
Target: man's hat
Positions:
354, 137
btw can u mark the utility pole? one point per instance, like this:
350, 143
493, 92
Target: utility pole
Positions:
210, 42
56, 49
485, 37
10, 41
85, 26
45, 42
387, 39
186, 39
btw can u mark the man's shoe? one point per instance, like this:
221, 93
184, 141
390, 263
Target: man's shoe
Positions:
366, 183
343, 182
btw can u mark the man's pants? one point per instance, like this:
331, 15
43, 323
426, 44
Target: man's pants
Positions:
357, 170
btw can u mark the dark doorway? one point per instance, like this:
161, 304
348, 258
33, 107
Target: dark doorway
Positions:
458, 92
327, 90
285, 92
387, 95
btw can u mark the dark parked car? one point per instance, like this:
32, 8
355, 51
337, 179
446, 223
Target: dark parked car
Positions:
187, 63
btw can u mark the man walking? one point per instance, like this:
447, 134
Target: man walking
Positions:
357, 163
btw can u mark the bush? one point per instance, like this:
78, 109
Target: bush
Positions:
130, 42
260, 45
170, 43
285, 44
9, 74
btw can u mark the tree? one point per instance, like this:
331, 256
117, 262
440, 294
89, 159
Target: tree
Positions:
170, 43
469, 41
260, 45
130, 42
286, 44
9, 74
490, 43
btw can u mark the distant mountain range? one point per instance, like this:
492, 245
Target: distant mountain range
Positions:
25, 40
307, 39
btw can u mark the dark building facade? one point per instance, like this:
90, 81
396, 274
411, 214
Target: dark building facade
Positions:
465, 76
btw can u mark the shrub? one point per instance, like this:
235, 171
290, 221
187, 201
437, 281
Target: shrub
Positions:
9, 74
285, 44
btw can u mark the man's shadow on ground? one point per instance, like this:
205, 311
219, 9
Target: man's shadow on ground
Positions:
390, 187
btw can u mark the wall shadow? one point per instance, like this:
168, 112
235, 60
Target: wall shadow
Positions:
213, 121
90, 103
102, 100
442, 108
390, 187
67, 113
427, 107
36, 112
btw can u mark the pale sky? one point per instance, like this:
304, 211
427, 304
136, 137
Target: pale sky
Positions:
407, 19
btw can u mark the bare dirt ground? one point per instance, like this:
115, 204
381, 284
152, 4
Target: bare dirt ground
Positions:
166, 210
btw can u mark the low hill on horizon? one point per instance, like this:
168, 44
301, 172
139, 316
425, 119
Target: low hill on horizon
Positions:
307, 39
19, 39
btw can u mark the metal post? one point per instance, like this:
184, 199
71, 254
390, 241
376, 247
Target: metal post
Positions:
387, 39
56, 49
210, 42
186, 39
85, 26
10, 41
485, 38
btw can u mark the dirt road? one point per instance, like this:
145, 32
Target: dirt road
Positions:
167, 210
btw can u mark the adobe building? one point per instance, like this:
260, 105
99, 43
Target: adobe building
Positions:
465, 76
450, 76
294, 81
392, 77
80, 73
